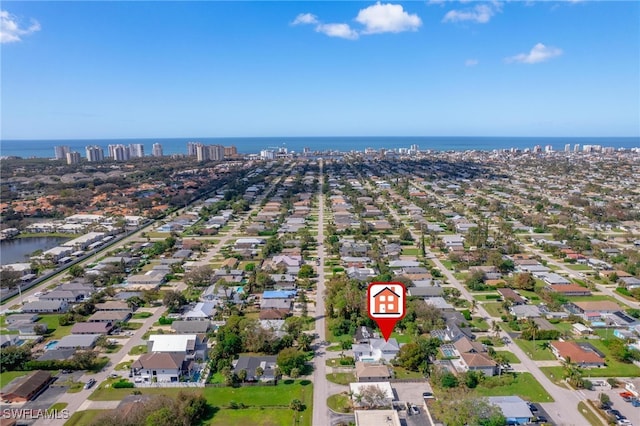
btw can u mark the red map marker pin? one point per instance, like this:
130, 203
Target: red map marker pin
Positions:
386, 303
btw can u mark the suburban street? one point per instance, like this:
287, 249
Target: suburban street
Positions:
320, 392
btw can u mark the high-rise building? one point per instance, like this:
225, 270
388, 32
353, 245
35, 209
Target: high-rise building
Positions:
192, 147
61, 152
576, 147
202, 152
136, 150
119, 152
567, 147
94, 153
216, 152
548, 148
230, 151
268, 154
157, 150
73, 157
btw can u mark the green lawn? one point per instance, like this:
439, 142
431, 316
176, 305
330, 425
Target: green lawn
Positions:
138, 350
510, 357
339, 403
535, 352
523, 385
7, 376
341, 378
56, 331
83, 418
58, 406
402, 373
480, 324
261, 417
411, 251
483, 297
335, 362
614, 368
594, 297
588, 414
401, 338
141, 315
123, 365
493, 308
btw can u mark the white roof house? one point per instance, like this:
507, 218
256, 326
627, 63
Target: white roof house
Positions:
171, 342
356, 389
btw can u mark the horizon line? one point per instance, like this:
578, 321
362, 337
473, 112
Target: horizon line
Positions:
308, 137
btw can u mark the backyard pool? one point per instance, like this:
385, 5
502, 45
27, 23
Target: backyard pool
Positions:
51, 345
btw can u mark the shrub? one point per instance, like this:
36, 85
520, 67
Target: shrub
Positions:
122, 384
165, 321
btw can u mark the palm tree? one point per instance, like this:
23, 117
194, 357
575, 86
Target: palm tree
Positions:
495, 327
532, 327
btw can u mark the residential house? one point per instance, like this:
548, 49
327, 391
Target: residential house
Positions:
440, 303
78, 341
113, 305
193, 345
370, 372
191, 327
356, 390
57, 355
201, 311
593, 310
510, 294
456, 327
284, 304
161, 367
7, 340
479, 362
569, 289
431, 291
376, 350
45, 307
515, 410
360, 274
525, 311
92, 328
274, 314
377, 417
112, 317
251, 363
583, 354
60, 295
28, 387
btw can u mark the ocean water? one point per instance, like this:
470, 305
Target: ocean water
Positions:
45, 148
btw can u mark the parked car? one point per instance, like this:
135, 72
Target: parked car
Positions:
90, 383
414, 410
532, 407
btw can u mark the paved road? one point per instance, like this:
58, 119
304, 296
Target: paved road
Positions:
564, 410
321, 416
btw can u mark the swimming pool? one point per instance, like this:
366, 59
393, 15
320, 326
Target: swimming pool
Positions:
51, 345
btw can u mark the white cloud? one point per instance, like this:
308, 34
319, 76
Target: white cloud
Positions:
376, 19
10, 31
305, 18
387, 18
337, 30
539, 53
481, 13
471, 62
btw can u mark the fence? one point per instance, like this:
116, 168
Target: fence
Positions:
170, 385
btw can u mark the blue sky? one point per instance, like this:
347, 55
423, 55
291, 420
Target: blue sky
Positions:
218, 69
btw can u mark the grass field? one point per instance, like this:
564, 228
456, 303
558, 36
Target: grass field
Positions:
401, 338
493, 308
138, 350
411, 251
594, 297
535, 352
524, 385
141, 315
588, 414
267, 405
56, 331
402, 373
83, 418
7, 376
341, 378
339, 403
510, 357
